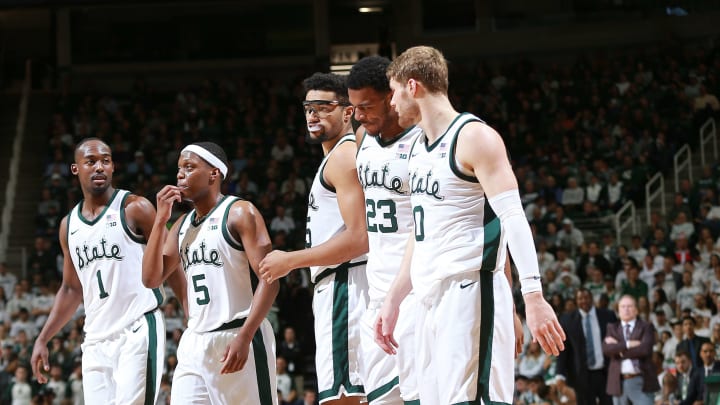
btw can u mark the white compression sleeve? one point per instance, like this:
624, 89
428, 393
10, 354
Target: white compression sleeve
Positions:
509, 209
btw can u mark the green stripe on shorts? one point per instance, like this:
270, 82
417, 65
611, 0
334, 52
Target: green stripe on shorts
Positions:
151, 373
341, 362
261, 369
383, 389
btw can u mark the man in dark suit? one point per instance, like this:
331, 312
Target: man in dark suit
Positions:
709, 364
582, 363
629, 345
689, 379
692, 342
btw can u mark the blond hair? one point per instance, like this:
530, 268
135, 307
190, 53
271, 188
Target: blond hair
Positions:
424, 64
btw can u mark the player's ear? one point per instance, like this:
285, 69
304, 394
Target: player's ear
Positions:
348, 113
215, 174
74, 168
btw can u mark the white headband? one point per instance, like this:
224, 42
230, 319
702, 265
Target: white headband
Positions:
208, 157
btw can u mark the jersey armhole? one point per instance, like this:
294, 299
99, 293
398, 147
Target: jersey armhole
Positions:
357, 152
226, 231
454, 166
135, 237
346, 138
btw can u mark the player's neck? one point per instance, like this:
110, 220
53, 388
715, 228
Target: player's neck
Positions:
330, 143
390, 134
437, 114
203, 206
94, 203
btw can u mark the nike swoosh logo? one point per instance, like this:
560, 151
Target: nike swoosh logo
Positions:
319, 290
137, 329
364, 147
73, 232
468, 284
414, 154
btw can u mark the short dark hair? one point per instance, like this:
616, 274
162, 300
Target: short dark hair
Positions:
690, 318
683, 352
370, 72
327, 82
89, 139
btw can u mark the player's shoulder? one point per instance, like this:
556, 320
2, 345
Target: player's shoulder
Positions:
479, 135
344, 152
241, 208
137, 203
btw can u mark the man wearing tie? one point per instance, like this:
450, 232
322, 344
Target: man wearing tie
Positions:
692, 342
689, 379
709, 364
707, 354
629, 345
582, 363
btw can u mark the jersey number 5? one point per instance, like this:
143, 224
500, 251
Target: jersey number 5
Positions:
201, 289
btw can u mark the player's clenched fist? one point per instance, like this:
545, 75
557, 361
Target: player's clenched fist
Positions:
166, 197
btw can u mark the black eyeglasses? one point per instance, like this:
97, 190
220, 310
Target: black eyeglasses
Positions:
322, 108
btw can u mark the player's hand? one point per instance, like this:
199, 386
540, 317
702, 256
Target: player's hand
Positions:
236, 354
166, 197
610, 340
275, 266
39, 361
385, 326
543, 323
519, 335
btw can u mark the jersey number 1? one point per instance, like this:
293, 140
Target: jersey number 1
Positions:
103, 293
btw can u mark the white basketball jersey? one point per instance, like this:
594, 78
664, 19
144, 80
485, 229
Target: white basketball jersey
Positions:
108, 259
456, 231
383, 172
324, 219
216, 267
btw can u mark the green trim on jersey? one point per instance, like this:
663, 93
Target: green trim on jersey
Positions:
385, 144
357, 152
429, 147
67, 229
226, 232
262, 372
491, 242
413, 402
102, 214
349, 137
193, 214
383, 389
152, 359
123, 221
341, 362
453, 148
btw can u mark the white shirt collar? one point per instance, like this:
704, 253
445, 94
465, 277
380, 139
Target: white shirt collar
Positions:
590, 312
631, 323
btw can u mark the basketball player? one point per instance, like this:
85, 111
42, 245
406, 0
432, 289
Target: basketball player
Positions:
102, 241
382, 167
336, 240
466, 208
227, 353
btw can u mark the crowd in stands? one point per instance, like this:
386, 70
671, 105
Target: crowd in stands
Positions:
584, 138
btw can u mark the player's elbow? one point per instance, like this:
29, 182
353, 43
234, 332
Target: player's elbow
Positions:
151, 280
362, 244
